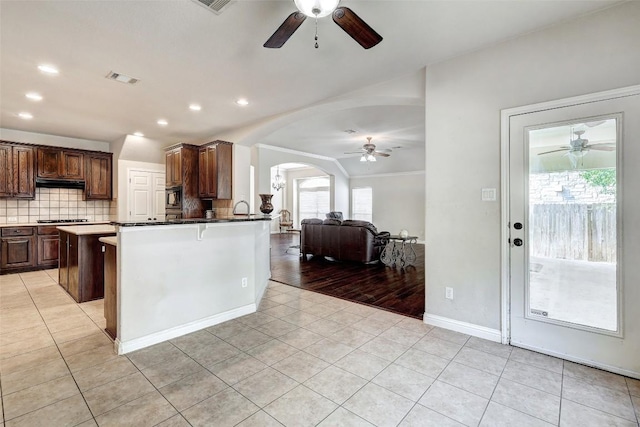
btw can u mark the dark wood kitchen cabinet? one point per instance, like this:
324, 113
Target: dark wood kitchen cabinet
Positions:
215, 166
18, 248
98, 176
182, 176
173, 162
57, 163
17, 177
48, 246
81, 270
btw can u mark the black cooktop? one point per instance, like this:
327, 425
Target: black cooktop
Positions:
55, 221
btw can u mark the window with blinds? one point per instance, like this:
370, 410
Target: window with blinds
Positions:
362, 204
313, 198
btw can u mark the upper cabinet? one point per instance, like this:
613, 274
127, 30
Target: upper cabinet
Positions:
58, 163
17, 178
25, 166
98, 176
215, 164
173, 159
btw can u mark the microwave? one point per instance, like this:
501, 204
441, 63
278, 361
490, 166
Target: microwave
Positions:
173, 198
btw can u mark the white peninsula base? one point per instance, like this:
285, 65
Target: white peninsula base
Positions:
177, 279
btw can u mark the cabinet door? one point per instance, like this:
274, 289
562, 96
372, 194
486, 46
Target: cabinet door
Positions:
23, 173
72, 165
18, 252
98, 171
6, 170
48, 162
207, 176
224, 171
168, 164
203, 178
176, 170
48, 248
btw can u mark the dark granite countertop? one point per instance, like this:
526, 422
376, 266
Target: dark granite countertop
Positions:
234, 218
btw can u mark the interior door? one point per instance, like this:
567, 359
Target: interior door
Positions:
146, 195
574, 225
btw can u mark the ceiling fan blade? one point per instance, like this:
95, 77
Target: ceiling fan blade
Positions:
353, 25
379, 154
553, 151
600, 148
284, 31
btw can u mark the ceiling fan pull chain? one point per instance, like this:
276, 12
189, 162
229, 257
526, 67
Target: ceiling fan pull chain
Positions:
316, 38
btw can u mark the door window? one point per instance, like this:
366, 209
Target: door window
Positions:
572, 191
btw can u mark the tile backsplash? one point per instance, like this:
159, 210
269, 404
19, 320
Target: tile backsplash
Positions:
56, 203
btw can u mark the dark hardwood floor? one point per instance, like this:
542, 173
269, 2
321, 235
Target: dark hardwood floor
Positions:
393, 289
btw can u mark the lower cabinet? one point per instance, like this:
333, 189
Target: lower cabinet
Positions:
48, 246
81, 270
18, 247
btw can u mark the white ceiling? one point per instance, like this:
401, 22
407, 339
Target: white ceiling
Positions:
184, 54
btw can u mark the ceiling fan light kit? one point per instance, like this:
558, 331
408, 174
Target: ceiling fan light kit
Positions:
346, 19
316, 8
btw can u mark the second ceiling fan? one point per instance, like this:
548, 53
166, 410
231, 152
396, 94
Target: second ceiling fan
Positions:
346, 19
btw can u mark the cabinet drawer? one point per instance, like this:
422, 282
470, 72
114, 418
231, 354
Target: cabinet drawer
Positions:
47, 229
17, 231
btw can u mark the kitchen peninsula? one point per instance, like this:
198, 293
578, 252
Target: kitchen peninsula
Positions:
178, 276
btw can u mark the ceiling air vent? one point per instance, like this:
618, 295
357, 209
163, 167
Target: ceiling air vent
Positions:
215, 6
121, 78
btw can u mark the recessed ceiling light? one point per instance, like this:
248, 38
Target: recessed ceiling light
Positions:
162, 122
138, 134
195, 107
242, 102
34, 96
25, 116
48, 69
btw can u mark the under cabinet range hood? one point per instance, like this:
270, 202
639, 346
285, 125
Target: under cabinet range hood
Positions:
59, 183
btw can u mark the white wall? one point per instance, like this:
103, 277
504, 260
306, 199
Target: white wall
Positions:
241, 173
52, 140
398, 201
464, 97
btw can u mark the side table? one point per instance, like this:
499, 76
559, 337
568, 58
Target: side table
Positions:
399, 251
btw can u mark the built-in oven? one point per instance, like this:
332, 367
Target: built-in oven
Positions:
173, 198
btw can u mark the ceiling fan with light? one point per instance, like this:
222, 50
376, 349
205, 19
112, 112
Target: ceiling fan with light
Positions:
369, 152
580, 146
346, 19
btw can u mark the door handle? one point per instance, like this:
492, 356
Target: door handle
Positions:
518, 242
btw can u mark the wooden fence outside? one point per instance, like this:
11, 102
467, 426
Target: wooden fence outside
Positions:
574, 231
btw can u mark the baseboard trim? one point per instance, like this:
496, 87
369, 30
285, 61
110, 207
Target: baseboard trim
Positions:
463, 327
603, 366
123, 347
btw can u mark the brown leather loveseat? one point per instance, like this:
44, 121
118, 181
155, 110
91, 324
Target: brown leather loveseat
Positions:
348, 240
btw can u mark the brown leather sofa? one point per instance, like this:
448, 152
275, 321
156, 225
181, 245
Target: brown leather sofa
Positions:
348, 240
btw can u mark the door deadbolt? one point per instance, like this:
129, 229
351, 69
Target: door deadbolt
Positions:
518, 242
517, 226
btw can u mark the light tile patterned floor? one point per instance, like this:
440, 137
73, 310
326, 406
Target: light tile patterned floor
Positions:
304, 359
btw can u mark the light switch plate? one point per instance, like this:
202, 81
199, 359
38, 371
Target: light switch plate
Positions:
12, 219
489, 194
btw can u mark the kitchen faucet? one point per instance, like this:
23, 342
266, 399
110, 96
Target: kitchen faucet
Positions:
236, 205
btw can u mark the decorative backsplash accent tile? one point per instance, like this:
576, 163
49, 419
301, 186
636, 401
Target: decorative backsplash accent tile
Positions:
56, 203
